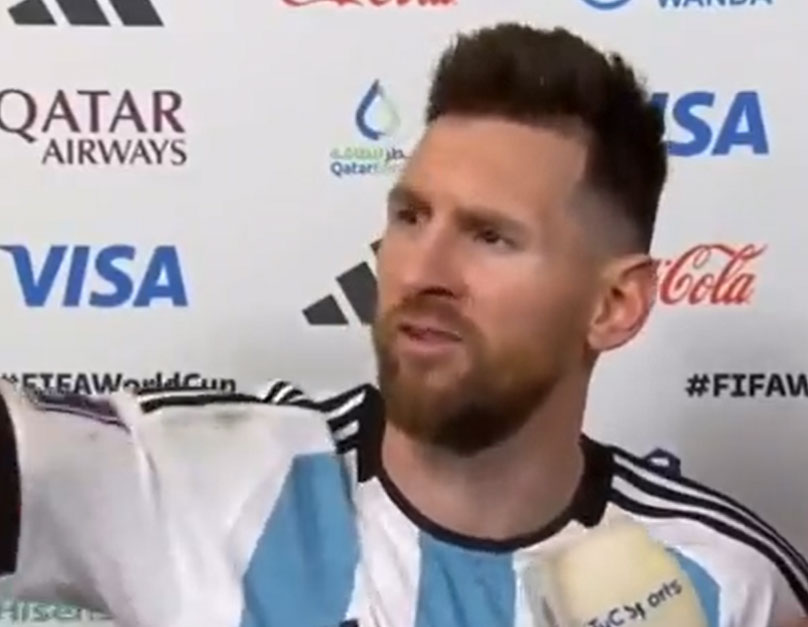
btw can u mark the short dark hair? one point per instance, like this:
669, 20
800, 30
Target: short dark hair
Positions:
532, 75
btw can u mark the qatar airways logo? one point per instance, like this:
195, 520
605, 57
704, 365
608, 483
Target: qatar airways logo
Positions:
372, 3
97, 127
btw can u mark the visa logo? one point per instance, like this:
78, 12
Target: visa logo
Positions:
112, 276
707, 124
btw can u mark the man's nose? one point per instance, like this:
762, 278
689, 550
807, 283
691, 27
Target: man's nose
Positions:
432, 264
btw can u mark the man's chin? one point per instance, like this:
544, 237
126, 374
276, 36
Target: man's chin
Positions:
427, 394
432, 380
411, 381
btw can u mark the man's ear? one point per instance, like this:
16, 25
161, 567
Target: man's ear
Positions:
627, 295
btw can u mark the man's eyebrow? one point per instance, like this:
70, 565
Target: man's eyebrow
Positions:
480, 216
472, 216
402, 194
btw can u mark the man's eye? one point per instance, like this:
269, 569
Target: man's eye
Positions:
407, 216
491, 236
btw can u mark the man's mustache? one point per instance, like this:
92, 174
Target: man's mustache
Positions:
433, 308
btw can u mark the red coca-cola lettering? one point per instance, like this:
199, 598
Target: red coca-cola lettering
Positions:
371, 3
687, 280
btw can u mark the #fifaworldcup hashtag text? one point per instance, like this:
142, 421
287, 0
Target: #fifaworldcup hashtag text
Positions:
747, 385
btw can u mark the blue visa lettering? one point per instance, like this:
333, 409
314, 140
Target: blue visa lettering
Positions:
712, 129
162, 281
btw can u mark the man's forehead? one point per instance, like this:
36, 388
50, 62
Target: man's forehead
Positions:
493, 132
482, 156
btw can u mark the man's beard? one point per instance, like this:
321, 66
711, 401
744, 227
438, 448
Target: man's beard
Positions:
469, 410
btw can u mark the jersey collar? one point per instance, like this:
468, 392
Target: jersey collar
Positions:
587, 506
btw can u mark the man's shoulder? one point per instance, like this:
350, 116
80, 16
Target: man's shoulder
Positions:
703, 523
656, 488
290, 413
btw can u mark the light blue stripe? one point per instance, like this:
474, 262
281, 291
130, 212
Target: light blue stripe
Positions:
706, 587
302, 571
463, 588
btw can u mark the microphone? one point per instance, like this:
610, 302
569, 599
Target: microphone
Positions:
615, 575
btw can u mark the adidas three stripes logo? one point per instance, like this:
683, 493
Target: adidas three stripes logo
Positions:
85, 13
359, 286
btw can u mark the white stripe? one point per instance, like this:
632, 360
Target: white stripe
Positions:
629, 490
256, 487
144, 397
352, 428
350, 460
674, 485
391, 564
350, 404
345, 306
110, 13
280, 397
318, 404
296, 396
56, 12
750, 522
263, 391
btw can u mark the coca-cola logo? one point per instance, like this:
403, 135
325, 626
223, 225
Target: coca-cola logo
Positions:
372, 3
710, 274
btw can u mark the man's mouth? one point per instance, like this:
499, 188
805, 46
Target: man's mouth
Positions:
428, 333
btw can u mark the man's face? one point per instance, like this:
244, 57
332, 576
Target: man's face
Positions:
485, 281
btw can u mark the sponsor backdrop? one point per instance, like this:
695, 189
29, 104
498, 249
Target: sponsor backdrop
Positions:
192, 192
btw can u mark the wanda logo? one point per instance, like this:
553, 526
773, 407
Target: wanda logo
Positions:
372, 3
710, 274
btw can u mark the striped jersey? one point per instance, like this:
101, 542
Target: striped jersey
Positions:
181, 509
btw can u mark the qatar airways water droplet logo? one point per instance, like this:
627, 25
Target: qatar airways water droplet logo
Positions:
376, 116
378, 121
606, 5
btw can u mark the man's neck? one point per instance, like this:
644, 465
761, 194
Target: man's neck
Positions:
512, 489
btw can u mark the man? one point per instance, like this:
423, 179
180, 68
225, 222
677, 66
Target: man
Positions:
516, 251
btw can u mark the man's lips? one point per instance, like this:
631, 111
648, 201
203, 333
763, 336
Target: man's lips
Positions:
428, 331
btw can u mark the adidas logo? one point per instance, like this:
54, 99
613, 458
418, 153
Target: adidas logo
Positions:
358, 286
85, 13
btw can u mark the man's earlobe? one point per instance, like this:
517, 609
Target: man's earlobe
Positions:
627, 297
